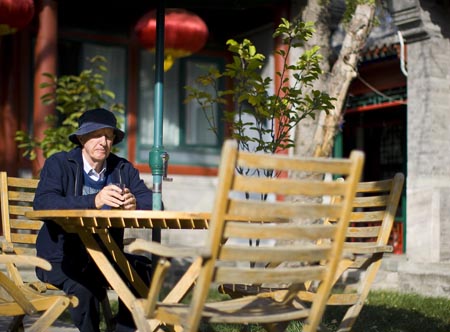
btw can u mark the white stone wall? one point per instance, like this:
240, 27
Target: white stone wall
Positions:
184, 193
428, 180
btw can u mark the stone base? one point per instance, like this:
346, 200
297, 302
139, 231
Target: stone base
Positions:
400, 274
428, 279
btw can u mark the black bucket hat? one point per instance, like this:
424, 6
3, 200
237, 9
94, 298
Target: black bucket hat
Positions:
96, 119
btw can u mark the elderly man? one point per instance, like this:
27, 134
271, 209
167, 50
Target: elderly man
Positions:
87, 177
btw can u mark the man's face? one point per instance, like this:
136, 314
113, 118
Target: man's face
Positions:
97, 144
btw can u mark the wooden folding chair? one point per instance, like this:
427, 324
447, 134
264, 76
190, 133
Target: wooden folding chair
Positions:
371, 222
275, 211
20, 232
17, 300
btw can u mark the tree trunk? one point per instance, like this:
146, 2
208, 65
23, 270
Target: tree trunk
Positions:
342, 74
316, 137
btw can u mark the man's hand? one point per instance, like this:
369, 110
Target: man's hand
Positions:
129, 202
112, 195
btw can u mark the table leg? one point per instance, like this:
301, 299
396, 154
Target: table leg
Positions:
111, 274
178, 292
117, 254
107, 269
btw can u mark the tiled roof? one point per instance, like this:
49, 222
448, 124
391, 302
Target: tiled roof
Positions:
380, 52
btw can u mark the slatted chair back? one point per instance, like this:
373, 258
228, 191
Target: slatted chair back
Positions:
286, 211
374, 212
20, 233
371, 223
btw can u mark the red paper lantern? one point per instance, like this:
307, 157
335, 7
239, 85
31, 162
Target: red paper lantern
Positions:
184, 33
15, 15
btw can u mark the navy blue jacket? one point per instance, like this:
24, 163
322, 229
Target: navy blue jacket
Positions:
60, 187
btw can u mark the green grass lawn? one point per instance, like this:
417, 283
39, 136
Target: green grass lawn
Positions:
387, 311
384, 311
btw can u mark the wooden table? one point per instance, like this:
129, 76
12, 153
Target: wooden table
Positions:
86, 223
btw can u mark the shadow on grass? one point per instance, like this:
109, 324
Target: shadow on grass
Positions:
371, 319
377, 318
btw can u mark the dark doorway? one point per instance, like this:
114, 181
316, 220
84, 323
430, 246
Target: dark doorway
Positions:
381, 134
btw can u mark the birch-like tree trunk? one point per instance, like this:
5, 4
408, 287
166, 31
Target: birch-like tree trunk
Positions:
316, 137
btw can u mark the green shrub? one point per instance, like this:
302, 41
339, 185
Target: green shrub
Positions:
72, 95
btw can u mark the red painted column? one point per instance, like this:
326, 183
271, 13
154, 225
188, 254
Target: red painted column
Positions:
45, 61
282, 12
7, 122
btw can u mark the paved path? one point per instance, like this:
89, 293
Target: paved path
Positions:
65, 325
58, 326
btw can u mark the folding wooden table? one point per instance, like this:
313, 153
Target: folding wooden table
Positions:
87, 223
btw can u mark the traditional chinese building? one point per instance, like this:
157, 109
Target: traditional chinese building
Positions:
398, 107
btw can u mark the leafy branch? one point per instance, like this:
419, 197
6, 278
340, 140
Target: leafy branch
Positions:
261, 120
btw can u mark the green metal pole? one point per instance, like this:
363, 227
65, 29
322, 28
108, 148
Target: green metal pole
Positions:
156, 154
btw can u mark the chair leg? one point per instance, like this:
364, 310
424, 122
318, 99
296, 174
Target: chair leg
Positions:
353, 312
351, 315
51, 315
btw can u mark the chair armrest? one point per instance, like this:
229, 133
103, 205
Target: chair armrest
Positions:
25, 260
17, 294
140, 246
7, 247
369, 249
